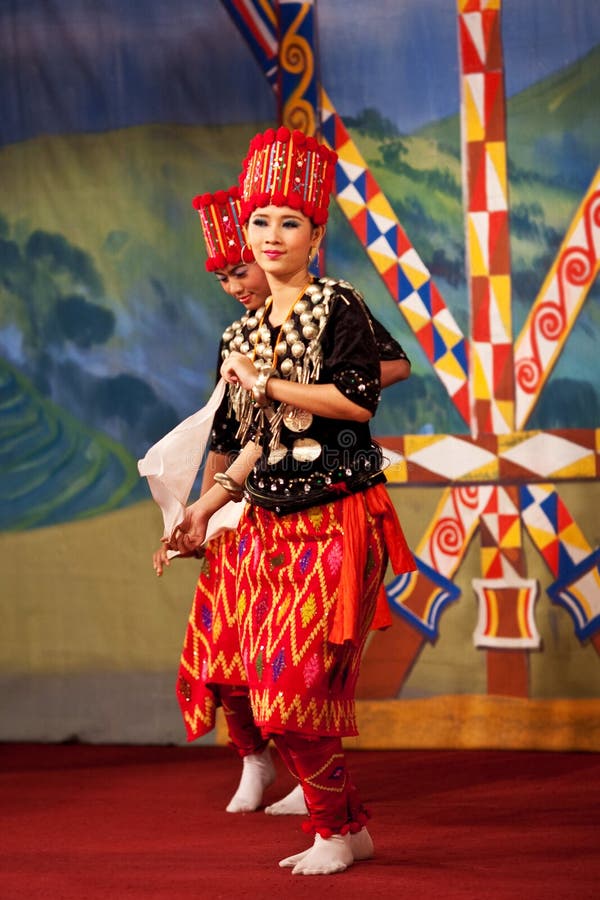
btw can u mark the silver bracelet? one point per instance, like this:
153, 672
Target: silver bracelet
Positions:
259, 389
227, 483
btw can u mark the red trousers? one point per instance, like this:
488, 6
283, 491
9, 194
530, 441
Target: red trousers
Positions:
320, 765
244, 736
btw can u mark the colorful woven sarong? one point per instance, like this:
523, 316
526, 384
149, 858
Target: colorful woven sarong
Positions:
289, 588
211, 649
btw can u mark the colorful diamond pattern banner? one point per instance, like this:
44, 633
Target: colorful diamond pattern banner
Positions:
484, 151
397, 262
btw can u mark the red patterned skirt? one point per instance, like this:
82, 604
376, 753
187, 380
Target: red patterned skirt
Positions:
211, 649
288, 587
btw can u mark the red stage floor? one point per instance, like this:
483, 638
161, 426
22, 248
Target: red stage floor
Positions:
111, 822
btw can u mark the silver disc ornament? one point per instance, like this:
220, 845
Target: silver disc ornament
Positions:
297, 419
306, 450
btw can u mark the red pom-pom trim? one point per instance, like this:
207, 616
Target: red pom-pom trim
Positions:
215, 262
220, 197
299, 138
279, 199
349, 828
269, 136
202, 200
283, 134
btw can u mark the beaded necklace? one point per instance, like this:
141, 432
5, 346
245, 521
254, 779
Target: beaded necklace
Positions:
263, 347
297, 354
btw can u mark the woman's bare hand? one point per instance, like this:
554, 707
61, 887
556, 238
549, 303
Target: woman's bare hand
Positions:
189, 535
238, 369
160, 559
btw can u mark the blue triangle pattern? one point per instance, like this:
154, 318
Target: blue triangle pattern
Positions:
565, 563
405, 288
360, 184
328, 130
460, 354
550, 507
425, 294
527, 498
373, 229
440, 347
341, 180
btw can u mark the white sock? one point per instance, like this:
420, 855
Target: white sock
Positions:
293, 804
326, 856
258, 772
361, 845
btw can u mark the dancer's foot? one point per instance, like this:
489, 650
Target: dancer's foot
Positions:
293, 804
361, 846
258, 772
326, 856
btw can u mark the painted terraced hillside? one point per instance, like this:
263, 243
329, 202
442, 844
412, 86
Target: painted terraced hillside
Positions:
53, 468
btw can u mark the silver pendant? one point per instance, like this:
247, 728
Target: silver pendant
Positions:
306, 450
276, 455
297, 419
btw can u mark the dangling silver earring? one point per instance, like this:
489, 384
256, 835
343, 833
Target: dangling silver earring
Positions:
247, 261
311, 255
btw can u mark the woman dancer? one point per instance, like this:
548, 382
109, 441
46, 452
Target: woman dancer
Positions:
315, 538
211, 672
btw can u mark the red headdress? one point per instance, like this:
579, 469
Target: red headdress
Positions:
223, 234
286, 168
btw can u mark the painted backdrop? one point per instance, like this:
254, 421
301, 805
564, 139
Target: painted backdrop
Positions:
468, 214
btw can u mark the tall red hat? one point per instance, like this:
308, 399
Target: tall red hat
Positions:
286, 168
221, 226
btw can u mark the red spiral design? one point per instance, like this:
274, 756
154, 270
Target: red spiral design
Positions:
527, 374
468, 495
550, 320
576, 266
447, 538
